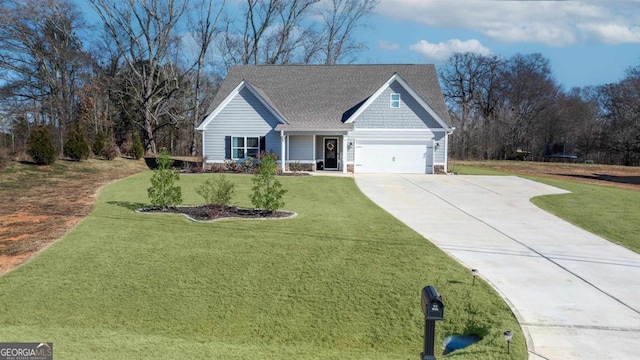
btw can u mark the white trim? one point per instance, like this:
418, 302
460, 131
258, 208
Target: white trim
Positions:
324, 156
203, 149
421, 102
246, 147
446, 153
282, 150
243, 84
313, 148
344, 154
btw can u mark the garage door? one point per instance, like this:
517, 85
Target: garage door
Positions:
393, 157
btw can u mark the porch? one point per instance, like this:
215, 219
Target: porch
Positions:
327, 151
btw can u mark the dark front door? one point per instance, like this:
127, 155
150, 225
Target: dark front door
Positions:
330, 153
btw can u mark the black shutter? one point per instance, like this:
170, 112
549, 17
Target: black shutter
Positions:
263, 143
227, 147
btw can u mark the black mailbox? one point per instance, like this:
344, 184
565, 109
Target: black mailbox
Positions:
432, 305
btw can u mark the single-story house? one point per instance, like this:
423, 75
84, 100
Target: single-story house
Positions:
356, 118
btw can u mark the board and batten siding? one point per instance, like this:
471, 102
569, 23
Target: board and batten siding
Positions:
410, 115
244, 115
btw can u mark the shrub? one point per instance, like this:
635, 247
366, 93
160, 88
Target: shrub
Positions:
163, 191
98, 145
218, 168
125, 147
76, 146
5, 158
249, 164
296, 167
218, 190
230, 165
40, 146
111, 150
267, 189
137, 150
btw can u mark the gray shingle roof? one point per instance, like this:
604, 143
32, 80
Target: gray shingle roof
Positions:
318, 96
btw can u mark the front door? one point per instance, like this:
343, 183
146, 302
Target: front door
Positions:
331, 153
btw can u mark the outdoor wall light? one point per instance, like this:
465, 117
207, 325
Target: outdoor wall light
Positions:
507, 336
474, 273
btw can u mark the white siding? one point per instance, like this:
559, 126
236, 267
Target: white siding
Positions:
243, 116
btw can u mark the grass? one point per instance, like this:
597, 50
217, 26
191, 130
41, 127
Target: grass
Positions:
607, 211
604, 210
342, 280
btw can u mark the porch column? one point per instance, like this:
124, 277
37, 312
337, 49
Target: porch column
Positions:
313, 154
283, 146
344, 153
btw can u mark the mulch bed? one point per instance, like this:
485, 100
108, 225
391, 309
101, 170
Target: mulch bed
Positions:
217, 212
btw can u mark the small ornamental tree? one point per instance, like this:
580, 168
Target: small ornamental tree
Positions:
267, 189
40, 146
137, 150
76, 146
163, 191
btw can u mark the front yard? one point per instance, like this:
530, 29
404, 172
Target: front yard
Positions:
342, 280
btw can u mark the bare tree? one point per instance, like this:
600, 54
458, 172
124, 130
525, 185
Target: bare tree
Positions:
145, 33
530, 94
41, 58
620, 104
471, 85
341, 18
272, 33
203, 31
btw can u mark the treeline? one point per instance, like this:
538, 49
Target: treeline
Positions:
149, 68
508, 108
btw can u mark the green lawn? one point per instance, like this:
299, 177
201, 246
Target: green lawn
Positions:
342, 280
610, 212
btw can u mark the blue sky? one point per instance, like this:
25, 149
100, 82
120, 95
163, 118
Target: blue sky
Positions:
588, 42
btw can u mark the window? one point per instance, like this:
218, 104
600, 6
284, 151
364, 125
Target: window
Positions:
244, 147
395, 100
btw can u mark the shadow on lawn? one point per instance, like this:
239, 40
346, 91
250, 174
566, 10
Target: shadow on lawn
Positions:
634, 180
128, 205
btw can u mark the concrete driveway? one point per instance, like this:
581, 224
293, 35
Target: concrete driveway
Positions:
576, 295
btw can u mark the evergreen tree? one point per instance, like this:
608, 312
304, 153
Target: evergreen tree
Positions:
163, 191
76, 146
267, 189
98, 145
40, 146
137, 150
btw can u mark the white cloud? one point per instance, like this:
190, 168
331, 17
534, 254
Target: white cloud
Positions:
555, 23
388, 46
443, 50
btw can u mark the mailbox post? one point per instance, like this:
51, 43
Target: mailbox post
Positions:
433, 310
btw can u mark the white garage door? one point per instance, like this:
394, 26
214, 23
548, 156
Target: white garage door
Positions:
393, 157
